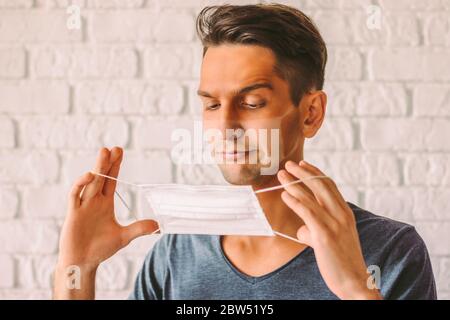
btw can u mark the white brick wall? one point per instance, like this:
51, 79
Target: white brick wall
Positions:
129, 76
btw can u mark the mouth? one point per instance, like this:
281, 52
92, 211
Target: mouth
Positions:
235, 154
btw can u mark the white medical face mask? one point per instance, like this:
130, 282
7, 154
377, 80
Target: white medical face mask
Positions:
208, 209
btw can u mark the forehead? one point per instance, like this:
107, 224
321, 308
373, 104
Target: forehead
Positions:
228, 67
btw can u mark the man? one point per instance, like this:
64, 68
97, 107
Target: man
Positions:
260, 62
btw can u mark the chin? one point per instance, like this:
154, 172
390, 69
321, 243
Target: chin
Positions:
240, 174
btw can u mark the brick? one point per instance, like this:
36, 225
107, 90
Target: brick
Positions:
123, 26
443, 295
12, 63
164, 129
437, 29
95, 4
431, 204
410, 204
142, 245
350, 194
355, 169
193, 101
427, 170
394, 203
343, 64
83, 62
409, 64
414, 4
172, 26
342, 98
435, 234
9, 202
7, 132
196, 4
350, 27
34, 97
38, 167
382, 169
48, 201
334, 33
75, 164
29, 237
167, 61
112, 295
366, 99
129, 97
335, 134
21, 294
401, 29
73, 132
443, 275
142, 167
16, 3
332, 4
34, 26
36, 272
436, 139
431, 100
113, 274
153, 167
394, 134
7, 275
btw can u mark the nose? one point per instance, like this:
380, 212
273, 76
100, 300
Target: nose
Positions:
228, 123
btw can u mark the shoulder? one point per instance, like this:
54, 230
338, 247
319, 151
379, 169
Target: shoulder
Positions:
384, 239
382, 229
401, 254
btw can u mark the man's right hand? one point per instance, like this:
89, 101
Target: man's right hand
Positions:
91, 233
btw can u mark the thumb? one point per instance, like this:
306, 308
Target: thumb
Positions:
304, 235
137, 229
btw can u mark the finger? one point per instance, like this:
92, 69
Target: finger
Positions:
302, 193
308, 212
102, 166
323, 189
80, 183
137, 229
298, 190
116, 159
304, 235
338, 199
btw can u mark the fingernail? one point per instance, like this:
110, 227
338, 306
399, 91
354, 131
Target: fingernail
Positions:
304, 163
289, 163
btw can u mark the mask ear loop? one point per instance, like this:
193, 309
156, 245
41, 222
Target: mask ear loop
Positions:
120, 197
281, 186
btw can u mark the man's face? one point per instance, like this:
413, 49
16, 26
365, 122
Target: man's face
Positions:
240, 91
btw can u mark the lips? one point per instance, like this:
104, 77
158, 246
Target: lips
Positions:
234, 154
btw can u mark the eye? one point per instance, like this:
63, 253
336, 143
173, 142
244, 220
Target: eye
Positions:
253, 105
213, 107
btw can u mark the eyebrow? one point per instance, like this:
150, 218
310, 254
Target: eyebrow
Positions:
242, 90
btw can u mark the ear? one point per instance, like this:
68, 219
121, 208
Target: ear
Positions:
313, 106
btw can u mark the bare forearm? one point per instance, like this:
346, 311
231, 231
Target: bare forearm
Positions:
74, 282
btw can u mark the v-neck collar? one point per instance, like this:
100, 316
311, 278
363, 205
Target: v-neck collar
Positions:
252, 279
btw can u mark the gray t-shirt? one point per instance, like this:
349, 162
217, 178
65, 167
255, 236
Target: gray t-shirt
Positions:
195, 267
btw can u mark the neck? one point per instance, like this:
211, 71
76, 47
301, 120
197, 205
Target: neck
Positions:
281, 218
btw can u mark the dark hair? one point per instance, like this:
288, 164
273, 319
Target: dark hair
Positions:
299, 49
